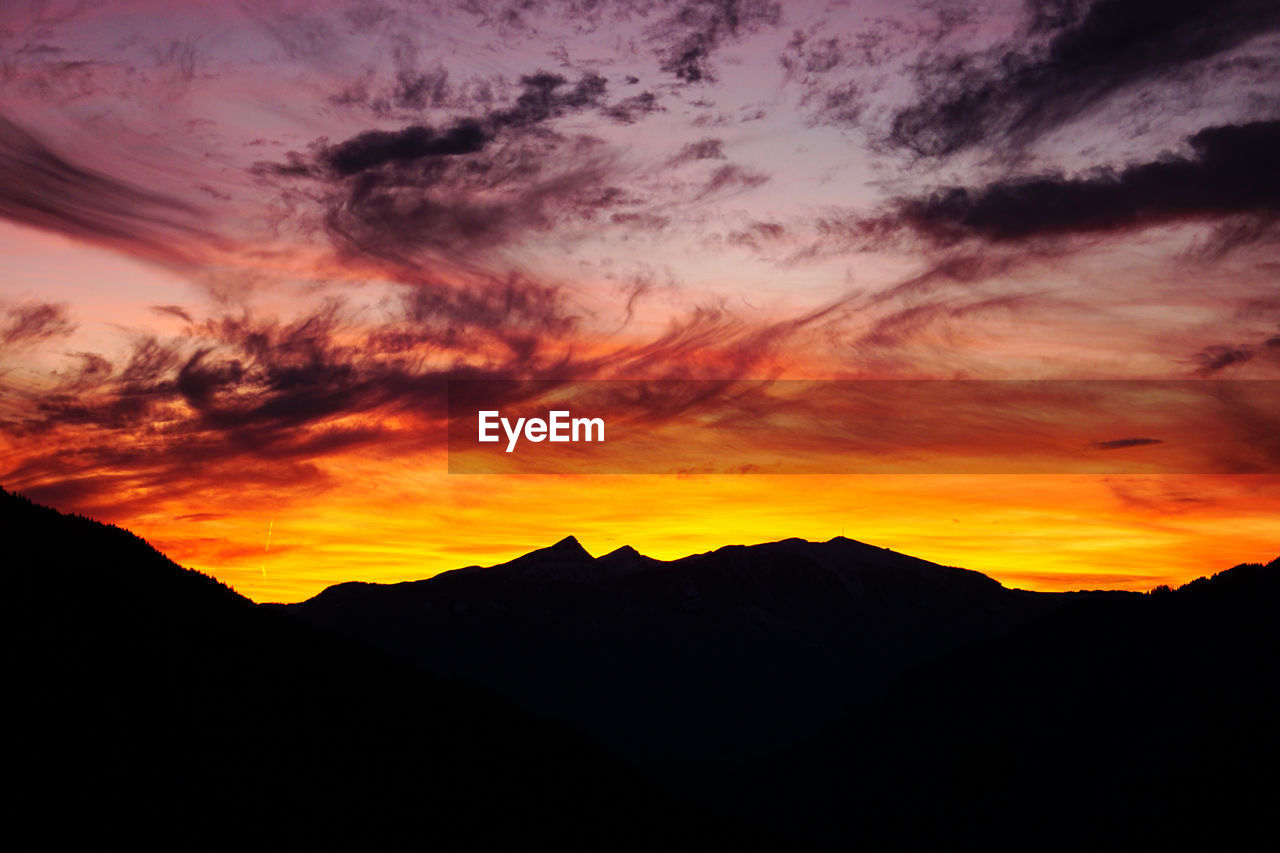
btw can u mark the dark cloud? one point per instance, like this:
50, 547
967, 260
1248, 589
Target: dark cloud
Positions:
460, 212
1213, 359
483, 182
376, 147
544, 96
831, 70
838, 106
696, 29
732, 177
810, 61
704, 149
642, 221
173, 311
249, 392
683, 34
1084, 53
91, 372
245, 403
42, 189
1122, 443
632, 109
1232, 171
34, 322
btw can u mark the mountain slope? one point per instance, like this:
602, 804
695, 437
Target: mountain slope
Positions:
154, 706
1119, 724
698, 662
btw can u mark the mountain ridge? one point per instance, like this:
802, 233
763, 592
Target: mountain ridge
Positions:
156, 706
1122, 723
764, 643
569, 552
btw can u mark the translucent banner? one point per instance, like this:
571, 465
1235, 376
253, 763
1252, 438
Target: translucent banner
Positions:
864, 426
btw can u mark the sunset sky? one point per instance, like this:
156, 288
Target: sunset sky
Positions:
246, 245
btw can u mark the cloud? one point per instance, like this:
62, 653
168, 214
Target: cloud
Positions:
302, 34
1083, 54
42, 189
731, 177
696, 29
684, 34
704, 149
459, 214
1216, 358
842, 66
34, 322
173, 311
1122, 443
757, 235
904, 325
240, 397
376, 147
239, 400
1232, 171
1213, 359
544, 96
630, 110
479, 184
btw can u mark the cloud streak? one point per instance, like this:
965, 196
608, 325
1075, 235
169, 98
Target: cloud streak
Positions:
33, 322
1232, 170
1086, 53
43, 189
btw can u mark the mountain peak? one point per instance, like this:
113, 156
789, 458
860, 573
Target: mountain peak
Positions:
624, 560
569, 546
566, 553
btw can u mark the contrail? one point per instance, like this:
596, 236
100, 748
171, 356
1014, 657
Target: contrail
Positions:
263, 567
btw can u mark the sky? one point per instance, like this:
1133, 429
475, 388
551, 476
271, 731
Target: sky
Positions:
246, 246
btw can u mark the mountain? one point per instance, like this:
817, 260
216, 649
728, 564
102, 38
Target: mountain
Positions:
153, 707
917, 707
684, 665
1136, 723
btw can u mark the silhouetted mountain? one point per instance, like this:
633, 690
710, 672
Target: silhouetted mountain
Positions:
1139, 723
156, 707
705, 660
152, 707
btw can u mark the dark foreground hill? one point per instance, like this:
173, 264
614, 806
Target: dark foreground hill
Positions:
150, 706
1148, 723
693, 664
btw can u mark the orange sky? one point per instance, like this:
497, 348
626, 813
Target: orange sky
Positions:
1048, 532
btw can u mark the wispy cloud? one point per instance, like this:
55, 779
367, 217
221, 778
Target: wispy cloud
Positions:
45, 189
1231, 171
1079, 55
